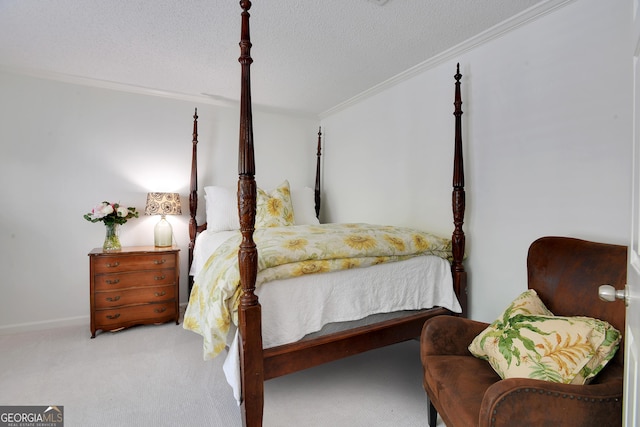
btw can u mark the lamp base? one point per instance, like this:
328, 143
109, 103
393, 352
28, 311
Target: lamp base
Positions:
163, 234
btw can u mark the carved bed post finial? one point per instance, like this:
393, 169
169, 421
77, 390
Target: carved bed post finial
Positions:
193, 193
317, 189
458, 202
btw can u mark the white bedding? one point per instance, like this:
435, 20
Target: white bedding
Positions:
417, 283
206, 243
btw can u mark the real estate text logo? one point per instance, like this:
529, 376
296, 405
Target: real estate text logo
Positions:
32, 416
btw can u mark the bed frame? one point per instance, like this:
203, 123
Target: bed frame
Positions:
258, 364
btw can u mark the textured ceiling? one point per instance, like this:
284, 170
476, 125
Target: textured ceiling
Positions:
309, 55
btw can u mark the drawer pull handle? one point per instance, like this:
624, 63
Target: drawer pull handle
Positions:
115, 264
160, 277
112, 282
110, 299
113, 316
161, 294
161, 310
159, 261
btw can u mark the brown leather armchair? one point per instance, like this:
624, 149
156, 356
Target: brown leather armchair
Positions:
466, 391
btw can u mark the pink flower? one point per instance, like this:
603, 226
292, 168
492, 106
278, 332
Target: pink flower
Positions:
111, 213
102, 210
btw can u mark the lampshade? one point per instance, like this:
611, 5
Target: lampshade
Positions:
163, 204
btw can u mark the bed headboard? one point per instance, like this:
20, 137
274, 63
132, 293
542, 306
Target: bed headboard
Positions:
194, 228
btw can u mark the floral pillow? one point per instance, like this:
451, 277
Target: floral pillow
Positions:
523, 343
527, 303
274, 208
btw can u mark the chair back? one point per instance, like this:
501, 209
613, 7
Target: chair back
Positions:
566, 273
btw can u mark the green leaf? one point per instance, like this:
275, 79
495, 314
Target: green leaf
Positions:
545, 373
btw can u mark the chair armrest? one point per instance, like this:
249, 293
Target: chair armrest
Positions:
546, 403
449, 335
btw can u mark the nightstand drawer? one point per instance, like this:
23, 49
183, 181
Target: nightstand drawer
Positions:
108, 282
134, 296
120, 263
138, 314
134, 286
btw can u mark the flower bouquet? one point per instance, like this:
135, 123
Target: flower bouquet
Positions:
112, 214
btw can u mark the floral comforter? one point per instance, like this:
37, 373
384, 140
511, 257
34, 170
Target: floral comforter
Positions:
285, 252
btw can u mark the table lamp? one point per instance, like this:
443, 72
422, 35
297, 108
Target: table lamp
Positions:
163, 204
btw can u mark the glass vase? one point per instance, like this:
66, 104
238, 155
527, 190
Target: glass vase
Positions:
111, 239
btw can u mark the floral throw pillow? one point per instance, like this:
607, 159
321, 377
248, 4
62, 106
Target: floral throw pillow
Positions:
569, 350
527, 303
274, 208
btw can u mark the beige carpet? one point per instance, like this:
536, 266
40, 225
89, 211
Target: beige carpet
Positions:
155, 376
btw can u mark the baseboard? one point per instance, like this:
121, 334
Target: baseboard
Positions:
44, 325
58, 323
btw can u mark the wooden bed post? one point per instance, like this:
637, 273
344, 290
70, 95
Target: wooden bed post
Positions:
317, 188
193, 194
458, 204
250, 315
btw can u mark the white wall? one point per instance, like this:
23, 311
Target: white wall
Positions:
66, 147
547, 133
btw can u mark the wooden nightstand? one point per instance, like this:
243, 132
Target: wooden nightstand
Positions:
136, 285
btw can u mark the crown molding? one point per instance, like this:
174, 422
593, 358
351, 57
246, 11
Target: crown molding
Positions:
531, 14
110, 85
201, 99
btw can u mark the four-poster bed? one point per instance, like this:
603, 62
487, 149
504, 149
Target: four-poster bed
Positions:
260, 361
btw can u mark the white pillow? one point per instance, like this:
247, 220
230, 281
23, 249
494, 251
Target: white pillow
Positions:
304, 206
222, 208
